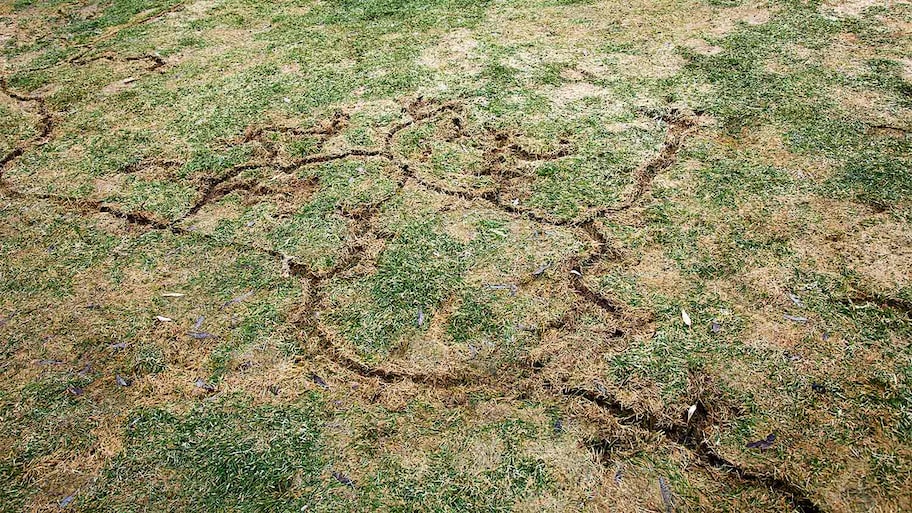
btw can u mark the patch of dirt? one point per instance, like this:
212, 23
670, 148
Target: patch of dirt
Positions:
642, 21
456, 52
906, 68
768, 144
199, 7
775, 66
663, 62
657, 272
221, 41
287, 192
7, 31
263, 373
749, 13
765, 284
24, 29
290, 68
854, 8
846, 54
89, 11
873, 107
701, 47
556, 35
108, 185
853, 236
881, 254
209, 219
119, 86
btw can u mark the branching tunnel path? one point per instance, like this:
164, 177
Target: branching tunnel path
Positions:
689, 435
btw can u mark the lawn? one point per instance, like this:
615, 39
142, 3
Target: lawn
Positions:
456, 255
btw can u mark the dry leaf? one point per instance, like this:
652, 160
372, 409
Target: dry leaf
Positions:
201, 384
763, 444
342, 478
691, 411
799, 320
66, 501
238, 299
511, 287
666, 495
319, 381
797, 300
